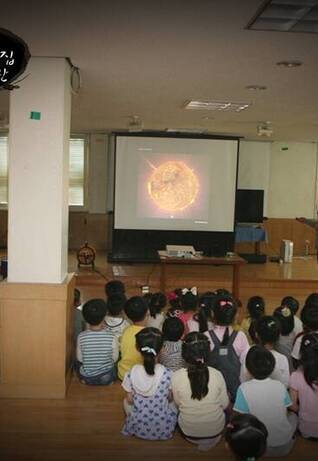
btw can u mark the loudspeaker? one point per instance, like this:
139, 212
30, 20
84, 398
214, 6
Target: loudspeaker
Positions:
253, 258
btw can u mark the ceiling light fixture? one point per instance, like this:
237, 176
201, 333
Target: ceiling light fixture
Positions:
256, 87
135, 124
286, 16
289, 64
225, 106
264, 129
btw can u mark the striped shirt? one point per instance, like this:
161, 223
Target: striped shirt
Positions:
97, 351
171, 355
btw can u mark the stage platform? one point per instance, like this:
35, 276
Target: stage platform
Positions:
270, 280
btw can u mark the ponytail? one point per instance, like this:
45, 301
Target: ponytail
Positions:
195, 351
149, 342
203, 321
149, 361
199, 378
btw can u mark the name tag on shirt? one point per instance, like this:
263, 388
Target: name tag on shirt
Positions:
223, 351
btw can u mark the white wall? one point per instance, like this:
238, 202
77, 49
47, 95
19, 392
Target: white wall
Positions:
292, 188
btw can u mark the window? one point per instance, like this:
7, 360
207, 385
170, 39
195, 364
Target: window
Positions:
77, 167
76, 193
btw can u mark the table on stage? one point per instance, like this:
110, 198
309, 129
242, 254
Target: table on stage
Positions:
235, 261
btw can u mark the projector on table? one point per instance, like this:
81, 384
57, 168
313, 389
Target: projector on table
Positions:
180, 251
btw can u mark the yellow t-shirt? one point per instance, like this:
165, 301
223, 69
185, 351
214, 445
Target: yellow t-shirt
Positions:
245, 325
129, 354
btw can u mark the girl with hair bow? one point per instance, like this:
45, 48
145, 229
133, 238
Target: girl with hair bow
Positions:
150, 411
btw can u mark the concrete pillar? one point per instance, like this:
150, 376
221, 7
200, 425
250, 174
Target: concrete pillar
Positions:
38, 173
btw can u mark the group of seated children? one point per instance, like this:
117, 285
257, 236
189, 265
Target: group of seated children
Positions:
194, 367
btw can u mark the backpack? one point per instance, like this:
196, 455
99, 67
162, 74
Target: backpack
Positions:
226, 360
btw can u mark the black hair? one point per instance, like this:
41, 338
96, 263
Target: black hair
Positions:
195, 352
136, 308
260, 362
246, 436
256, 310
286, 319
224, 314
309, 358
77, 297
205, 313
290, 302
312, 300
222, 292
114, 287
172, 329
267, 329
94, 311
309, 317
174, 298
116, 303
157, 302
189, 302
256, 307
149, 343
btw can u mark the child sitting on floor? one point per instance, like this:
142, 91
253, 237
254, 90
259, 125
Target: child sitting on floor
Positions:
309, 317
79, 323
288, 333
97, 348
228, 347
267, 333
256, 309
150, 415
136, 310
171, 353
114, 287
203, 320
200, 393
114, 320
304, 387
293, 304
189, 301
268, 400
247, 437
156, 303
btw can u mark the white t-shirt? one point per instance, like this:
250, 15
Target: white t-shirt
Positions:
281, 371
139, 381
267, 399
205, 417
156, 322
116, 324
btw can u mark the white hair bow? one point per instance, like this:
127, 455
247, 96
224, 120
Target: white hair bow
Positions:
192, 290
148, 349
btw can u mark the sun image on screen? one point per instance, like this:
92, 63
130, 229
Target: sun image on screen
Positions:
173, 186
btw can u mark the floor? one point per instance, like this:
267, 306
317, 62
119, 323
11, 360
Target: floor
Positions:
86, 424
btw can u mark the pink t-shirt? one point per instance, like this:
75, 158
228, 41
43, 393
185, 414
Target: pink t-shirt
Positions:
185, 317
193, 325
308, 404
241, 345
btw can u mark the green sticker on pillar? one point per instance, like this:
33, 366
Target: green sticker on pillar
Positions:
35, 115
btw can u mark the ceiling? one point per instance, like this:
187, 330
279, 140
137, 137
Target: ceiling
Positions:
149, 57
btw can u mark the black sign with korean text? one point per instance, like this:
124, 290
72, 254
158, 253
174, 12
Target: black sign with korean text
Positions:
14, 57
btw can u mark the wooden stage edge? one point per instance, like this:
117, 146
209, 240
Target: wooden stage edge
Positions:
270, 280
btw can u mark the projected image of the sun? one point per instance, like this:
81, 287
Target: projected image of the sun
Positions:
173, 186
